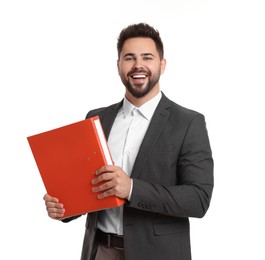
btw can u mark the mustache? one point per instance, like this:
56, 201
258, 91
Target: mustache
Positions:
136, 70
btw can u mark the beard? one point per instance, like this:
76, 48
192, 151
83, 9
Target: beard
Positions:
138, 90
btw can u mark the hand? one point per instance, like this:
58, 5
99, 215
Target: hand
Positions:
113, 181
54, 208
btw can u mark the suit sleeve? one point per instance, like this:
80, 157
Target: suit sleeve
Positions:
191, 195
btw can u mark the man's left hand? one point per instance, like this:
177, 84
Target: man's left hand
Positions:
111, 181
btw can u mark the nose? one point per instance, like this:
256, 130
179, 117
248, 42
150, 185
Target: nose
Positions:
138, 64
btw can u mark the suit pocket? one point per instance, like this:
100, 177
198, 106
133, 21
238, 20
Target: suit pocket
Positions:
171, 228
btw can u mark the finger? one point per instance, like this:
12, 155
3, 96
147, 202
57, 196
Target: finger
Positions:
49, 198
108, 193
55, 210
105, 186
105, 168
56, 213
103, 177
54, 205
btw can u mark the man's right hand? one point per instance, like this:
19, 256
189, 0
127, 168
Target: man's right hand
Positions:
54, 208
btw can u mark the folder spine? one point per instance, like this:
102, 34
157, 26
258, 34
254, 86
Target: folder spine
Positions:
102, 140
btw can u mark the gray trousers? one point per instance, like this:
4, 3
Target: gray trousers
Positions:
109, 253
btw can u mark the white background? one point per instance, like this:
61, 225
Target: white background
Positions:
58, 60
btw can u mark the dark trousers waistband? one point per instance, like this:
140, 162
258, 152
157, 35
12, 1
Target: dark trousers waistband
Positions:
109, 240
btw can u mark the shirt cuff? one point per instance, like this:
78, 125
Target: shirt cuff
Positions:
130, 194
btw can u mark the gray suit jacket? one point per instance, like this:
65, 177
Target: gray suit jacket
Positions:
173, 180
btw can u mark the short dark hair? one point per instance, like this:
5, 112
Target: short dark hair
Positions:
140, 30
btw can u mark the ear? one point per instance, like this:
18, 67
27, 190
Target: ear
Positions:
118, 66
163, 65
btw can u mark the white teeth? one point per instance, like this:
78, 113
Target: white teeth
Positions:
139, 76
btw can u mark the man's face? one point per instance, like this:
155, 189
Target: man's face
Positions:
140, 66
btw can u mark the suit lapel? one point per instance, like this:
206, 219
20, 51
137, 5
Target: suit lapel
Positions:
154, 130
108, 118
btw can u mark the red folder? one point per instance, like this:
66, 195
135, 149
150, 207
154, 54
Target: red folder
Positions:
67, 158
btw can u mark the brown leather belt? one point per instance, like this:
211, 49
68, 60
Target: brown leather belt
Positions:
109, 240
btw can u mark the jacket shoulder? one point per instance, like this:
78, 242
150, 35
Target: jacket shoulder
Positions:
102, 110
180, 112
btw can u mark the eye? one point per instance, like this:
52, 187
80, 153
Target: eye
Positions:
129, 58
148, 58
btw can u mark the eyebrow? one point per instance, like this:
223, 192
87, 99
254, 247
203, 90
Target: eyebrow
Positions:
143, 54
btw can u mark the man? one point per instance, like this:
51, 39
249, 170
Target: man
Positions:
163, 163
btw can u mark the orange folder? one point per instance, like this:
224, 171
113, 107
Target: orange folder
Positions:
67, 158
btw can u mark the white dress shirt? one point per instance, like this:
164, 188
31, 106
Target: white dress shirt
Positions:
124, 141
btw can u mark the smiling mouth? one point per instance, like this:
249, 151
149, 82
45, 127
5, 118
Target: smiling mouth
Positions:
138, 76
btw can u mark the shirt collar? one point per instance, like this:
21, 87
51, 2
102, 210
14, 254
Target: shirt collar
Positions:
147, 109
